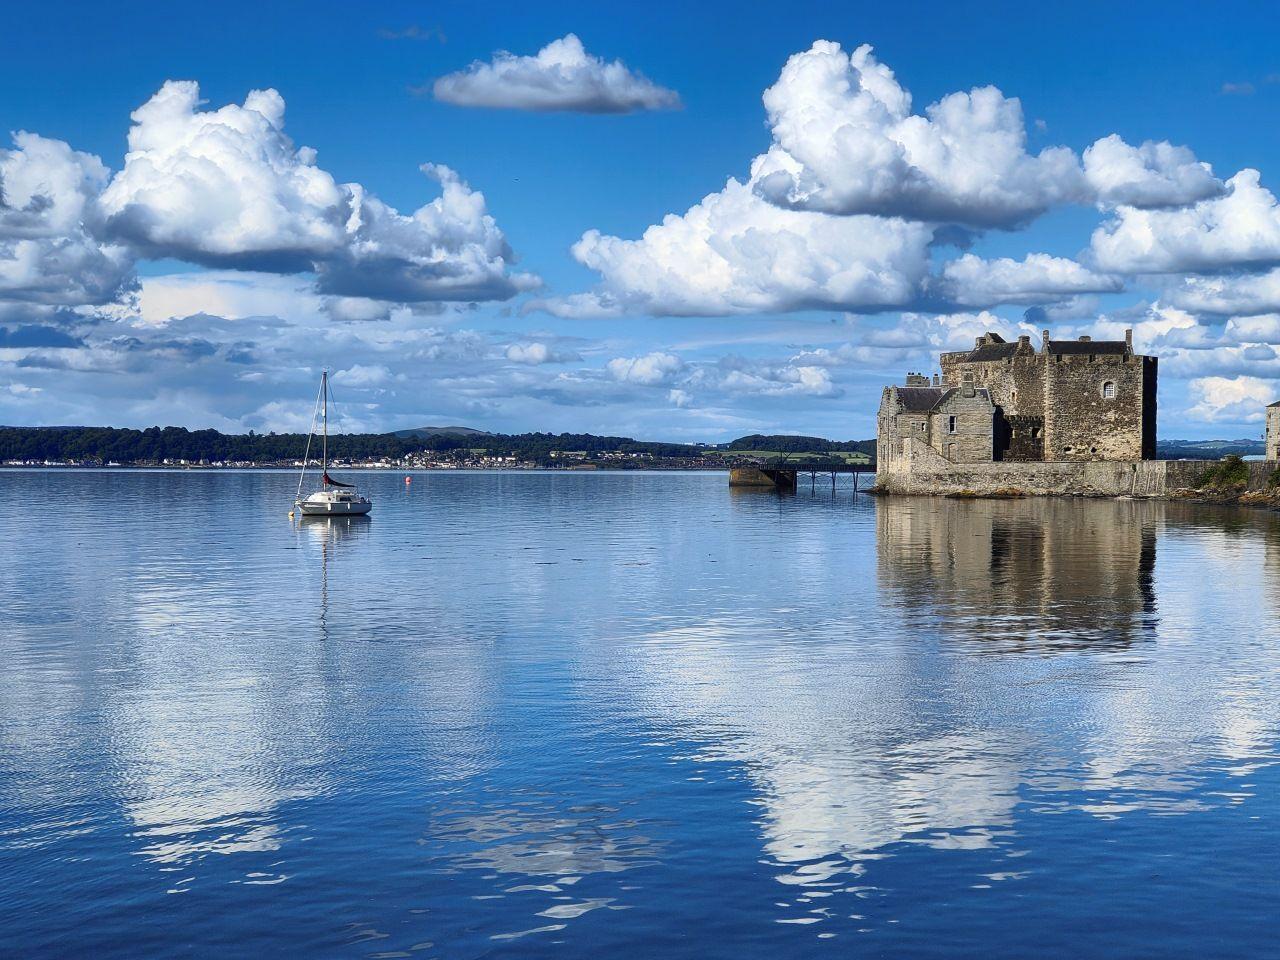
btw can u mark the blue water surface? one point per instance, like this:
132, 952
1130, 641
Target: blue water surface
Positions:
631, 715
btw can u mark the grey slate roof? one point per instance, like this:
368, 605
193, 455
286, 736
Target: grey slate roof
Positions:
918, 399
924, 399
1095, 347
992, 351
950, 392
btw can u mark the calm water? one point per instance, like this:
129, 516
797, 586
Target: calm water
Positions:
568, 715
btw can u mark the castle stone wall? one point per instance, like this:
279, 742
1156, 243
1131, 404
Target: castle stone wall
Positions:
971, 439
923, 472
1082, 422
1054, 404
1016, 385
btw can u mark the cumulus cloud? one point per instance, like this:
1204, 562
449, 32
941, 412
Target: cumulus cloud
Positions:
734, 253
847, 142
1037, 278
228, 188
843, 208
727, 377
1239, 229
223, 187
535, 353
448, 249
1230, 399
650, 369
561, 76
1260, 329
1151, 175
1245, 294
363, 376
740, 377
49, 253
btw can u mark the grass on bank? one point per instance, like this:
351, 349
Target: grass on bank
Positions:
1229, 473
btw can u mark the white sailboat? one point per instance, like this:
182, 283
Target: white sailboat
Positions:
334, 498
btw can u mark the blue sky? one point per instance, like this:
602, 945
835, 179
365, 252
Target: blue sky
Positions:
206, 280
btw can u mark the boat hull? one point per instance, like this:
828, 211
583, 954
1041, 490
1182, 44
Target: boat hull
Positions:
338, 509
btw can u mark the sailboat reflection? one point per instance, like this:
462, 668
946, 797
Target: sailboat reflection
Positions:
329, 532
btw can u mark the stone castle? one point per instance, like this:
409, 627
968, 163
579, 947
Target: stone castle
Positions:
1273, 431
1070, 401
1074, 417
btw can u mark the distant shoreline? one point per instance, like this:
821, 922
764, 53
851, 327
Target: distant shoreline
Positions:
315, 468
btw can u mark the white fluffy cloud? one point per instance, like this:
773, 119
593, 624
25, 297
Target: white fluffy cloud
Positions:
734, 253
448, 249
228, 187
362, 376
48, 214
650, 369
1239, 229
1037, 278
536, 353
1230, 399
223, 186
846, 142
730, 376
1151, 175
561, 76
1246, 294
843, 208
776, 381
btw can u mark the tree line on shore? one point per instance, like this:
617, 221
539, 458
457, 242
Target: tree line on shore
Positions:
157, 444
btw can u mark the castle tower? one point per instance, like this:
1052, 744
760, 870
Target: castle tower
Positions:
1273, 431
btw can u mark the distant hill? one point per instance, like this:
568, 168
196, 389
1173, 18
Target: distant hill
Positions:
789, 443
1207, 449
422, 432
156, 445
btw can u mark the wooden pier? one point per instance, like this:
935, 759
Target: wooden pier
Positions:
784, 473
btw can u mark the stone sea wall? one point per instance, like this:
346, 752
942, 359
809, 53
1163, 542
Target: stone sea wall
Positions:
926, 473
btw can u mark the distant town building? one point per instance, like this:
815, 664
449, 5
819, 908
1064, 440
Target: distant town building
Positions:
1070, 401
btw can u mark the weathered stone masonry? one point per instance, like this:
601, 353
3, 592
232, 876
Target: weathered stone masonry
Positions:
1071, 400
1075, 416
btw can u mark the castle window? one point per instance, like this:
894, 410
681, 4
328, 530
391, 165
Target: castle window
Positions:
951, 424
1109, 390
923, 425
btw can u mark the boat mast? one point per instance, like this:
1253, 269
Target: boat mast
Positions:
324, 444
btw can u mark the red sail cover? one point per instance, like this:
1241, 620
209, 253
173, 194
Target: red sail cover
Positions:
329, 481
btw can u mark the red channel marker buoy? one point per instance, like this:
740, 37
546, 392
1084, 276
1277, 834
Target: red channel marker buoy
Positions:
408, 480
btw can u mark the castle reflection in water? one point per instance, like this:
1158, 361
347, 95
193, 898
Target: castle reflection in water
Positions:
1039, 571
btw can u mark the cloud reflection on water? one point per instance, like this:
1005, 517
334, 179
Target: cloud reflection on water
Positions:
1045, 695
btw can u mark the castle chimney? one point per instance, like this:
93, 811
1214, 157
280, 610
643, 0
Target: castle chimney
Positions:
1044, 340
978, 341
1128, 340
1024, 341
966, 384
937, 379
